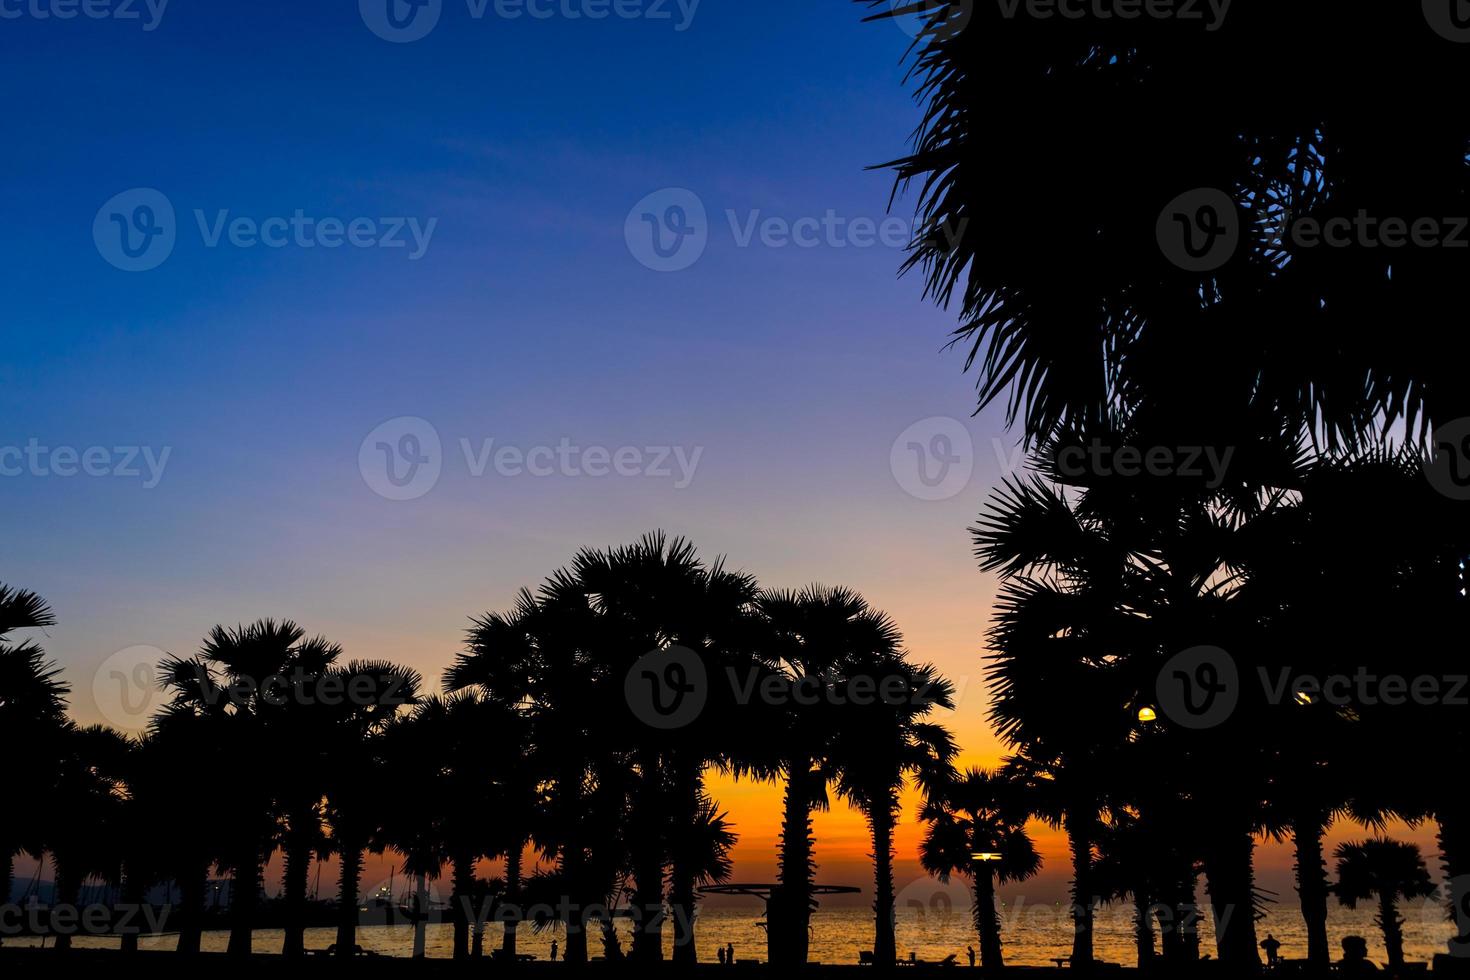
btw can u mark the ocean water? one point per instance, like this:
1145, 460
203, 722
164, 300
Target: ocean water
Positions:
932, 930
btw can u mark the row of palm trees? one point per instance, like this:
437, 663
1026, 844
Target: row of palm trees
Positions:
532, 753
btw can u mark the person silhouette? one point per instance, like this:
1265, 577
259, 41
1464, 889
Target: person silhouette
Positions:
1272, 946
729, 954
553, 951
720, 952
971, 951
1355, 960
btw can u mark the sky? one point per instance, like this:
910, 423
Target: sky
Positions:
259, 252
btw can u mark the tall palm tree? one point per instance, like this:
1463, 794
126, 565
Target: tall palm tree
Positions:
657, 595
352, 784
32, 713
977, 828
818, 635
542, 657
243, 680
86, 818
1389, 870
883, 742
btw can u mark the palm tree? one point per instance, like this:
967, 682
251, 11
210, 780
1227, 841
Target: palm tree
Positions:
352, 785
541, 657
179, 744
32, 714
1389, 870
817, 636
884, 741
85, 821
977, 828
243, 680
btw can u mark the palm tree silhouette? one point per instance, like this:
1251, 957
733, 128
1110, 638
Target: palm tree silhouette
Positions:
817, 636
351, 785
1388, 870
882, 742
33, 714
977, 828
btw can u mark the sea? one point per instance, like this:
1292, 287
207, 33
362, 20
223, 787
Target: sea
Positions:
1033, 934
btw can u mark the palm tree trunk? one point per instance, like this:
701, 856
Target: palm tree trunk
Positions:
421, 915
648, 863
573, 871
1454, 846
1393, 929
1143, 928
880, 820
66, 890
1311, 886
683, 870
349, 881
192, 888
133, 894
513, 899
462, 901
987, 919
1230, 881
295, 875
244, 898
1077, 822
789, 912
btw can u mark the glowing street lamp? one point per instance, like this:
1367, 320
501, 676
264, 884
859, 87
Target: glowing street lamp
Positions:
1147, 714
985, 856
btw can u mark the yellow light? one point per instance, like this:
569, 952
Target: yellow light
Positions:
985, 856
1302, 697
1147, 714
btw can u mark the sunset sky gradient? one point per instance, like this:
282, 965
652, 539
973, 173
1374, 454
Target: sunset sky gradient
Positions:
528, 321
